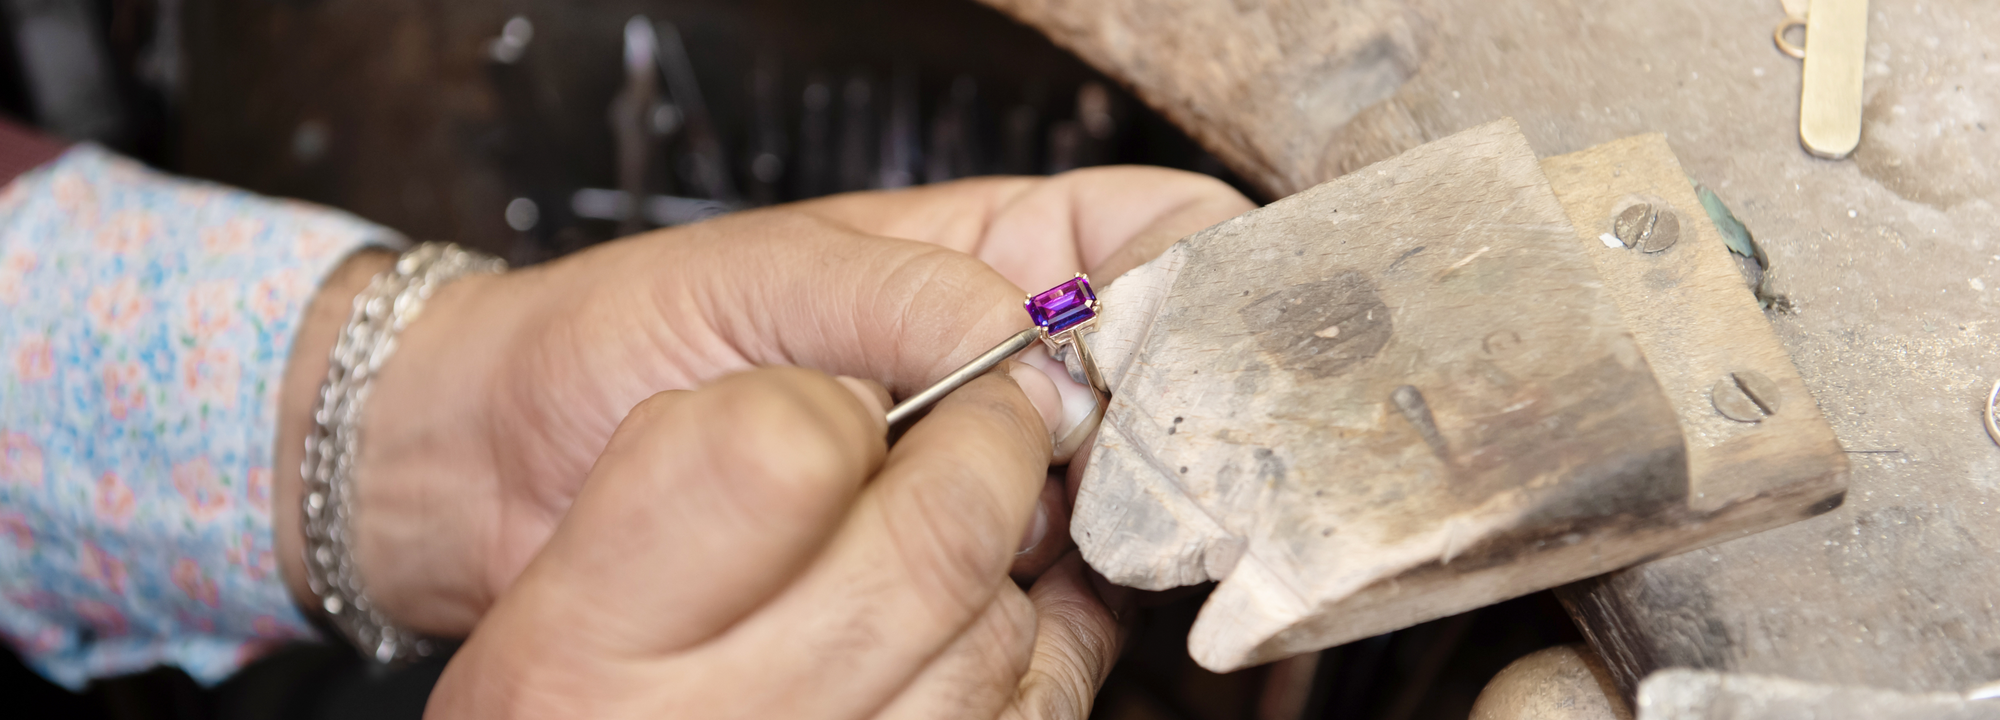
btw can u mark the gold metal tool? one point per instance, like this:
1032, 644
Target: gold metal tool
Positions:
1835, 50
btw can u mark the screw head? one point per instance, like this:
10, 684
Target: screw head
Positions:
1745, 396
1631, 226
1647, 228
1666, 231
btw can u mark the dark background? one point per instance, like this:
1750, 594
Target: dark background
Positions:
403, 113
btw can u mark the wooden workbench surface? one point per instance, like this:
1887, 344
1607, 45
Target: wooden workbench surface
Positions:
1885, 263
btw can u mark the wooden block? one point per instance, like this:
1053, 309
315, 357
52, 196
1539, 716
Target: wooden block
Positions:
1399, 395
1703, 334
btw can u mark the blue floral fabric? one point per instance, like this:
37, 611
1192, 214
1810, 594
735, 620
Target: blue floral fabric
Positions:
145, 322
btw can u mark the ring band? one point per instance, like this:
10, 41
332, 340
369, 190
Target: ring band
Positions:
1067, 445
1061, 315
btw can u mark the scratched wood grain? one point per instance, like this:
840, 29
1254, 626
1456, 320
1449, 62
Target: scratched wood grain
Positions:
1360, 407
1887, 263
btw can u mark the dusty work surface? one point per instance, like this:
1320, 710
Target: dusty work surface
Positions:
1422, 401
1885, 263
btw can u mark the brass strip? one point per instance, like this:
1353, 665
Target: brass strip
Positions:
1830, 104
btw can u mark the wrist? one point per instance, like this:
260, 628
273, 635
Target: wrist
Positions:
421, 492
305, 371
426, 485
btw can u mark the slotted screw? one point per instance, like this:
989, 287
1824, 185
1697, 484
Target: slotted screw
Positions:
1745, 396
1646, 228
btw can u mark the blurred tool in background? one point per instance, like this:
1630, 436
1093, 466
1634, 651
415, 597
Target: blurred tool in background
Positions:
537, 127
533, 129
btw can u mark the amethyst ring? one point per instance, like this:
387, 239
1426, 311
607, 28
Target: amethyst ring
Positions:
1061, 315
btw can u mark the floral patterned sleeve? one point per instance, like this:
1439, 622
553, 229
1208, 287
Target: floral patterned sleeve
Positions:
144, 325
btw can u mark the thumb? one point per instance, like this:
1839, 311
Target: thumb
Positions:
784, 288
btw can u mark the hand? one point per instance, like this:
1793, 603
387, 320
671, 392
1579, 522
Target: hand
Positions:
752, 549
480, 430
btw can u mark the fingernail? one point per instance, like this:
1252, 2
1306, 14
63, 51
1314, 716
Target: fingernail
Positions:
1038, 529
1077, 400
871, 395
1042, 392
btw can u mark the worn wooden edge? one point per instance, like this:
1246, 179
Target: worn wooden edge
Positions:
1774, 488
1497, 571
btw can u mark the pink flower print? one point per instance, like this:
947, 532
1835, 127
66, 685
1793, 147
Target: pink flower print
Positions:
14, 526
20, 460
36, 600
75, 197
210, 375
126, 170
257, 490
116, 307
193, 197
197, 584
312, 244
211, 309
273, 298
34, 361
230, 237
127, 231
257, 562
114, 503
267, 626
202, 624
124, 389
98, 566
14, 269
103, 617
202, 488
45, 640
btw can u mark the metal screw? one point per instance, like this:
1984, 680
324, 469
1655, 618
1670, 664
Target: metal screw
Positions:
1745, 396
1666, 231
1633, 224
1647, 228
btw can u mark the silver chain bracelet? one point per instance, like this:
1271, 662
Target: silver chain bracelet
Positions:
391, 302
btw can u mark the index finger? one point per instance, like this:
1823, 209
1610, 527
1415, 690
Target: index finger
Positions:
921, 556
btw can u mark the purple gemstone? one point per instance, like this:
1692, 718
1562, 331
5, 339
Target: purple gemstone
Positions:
1064, 306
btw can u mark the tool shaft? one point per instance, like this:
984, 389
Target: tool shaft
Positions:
958, 378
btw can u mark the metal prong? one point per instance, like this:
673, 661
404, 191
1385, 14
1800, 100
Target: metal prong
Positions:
1090, 372
958, 378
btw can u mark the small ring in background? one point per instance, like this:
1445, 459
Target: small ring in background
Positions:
1786, 46
1993, 413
